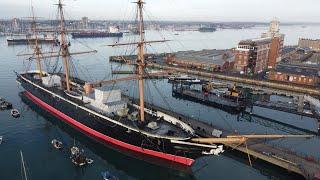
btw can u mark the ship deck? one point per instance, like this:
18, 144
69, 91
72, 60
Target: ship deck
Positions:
163, 128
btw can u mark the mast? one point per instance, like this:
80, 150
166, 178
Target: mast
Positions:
140, 56
37, 50
23, 167
140, 60
64, 44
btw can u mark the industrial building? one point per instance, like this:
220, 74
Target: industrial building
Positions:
208, 59
257, 55
296, 73
251, 56
313, 44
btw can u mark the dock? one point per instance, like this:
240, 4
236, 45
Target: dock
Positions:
307, 167
264, 85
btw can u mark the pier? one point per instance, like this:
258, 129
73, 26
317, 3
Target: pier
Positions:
305, 166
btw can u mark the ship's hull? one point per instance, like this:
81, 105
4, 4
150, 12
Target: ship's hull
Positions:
31, 41
95, 34
132, 143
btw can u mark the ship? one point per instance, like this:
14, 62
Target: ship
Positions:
99, 111
228, 99
30, 39
113, 32
184, 79
207, 29
105, 116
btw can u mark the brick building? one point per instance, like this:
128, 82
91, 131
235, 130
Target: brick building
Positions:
251, 56
277, 43
256, 55
297, 74
313, 44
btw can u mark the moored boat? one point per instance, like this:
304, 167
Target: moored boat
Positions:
5, 105
98, 110
56, 144
184, 79
30, 39
102, 114
15, 113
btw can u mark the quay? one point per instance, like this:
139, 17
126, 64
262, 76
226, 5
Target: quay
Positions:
259, 85
246, 82
307, 167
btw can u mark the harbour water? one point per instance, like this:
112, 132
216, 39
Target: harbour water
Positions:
33, 132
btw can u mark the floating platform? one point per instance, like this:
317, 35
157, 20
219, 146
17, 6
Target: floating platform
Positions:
228, 104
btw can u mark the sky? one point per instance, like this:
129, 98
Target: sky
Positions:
174, 10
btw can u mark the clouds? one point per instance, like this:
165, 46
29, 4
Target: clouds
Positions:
196, 10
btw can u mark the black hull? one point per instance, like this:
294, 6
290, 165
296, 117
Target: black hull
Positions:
136, 144
118, 159
96, 35
32, 41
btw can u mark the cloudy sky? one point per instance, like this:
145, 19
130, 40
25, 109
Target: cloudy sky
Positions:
195, 10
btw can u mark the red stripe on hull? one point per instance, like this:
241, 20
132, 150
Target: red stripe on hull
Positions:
100, 136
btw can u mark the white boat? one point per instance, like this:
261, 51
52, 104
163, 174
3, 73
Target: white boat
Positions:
1, 139
106, 175
57, 144
89, 161
184, 78
15, 113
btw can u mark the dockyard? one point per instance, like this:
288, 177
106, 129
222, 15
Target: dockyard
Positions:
276, 156
195, 93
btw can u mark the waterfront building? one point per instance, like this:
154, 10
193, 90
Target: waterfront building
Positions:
85, 22
276, 44
251, 56
256, 55
207, 59
296, 74
313, 44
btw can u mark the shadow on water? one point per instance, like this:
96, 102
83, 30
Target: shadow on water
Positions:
131, 166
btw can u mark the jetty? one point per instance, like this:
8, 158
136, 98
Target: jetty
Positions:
305, 166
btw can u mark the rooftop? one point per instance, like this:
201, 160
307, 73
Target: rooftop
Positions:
305, 70
259, 41
209, 56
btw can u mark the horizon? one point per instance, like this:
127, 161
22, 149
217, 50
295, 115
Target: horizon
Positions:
171, 10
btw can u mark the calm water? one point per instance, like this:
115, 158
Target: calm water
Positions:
33, 132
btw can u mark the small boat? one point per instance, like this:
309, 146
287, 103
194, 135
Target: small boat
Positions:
15, 113
77, 157
106, 175
89, 161
4, 105
185, 79
1, 139
57, 144
74, 150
